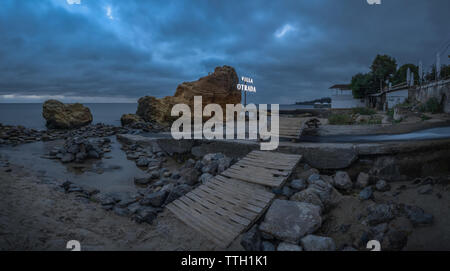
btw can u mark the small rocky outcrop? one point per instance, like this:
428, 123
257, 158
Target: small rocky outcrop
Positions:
220, 87
65, 116
78, 149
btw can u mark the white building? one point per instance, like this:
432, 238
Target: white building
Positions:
342, 98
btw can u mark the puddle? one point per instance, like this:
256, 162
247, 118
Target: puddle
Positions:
113, 173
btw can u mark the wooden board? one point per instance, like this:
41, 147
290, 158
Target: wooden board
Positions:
230, 203
293, 127
222, 208
265, 168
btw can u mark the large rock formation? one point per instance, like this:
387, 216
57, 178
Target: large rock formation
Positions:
219, 87
65, 116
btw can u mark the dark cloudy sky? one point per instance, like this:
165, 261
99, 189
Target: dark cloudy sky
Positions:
116, 50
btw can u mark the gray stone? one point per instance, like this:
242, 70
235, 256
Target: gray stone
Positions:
289, 220
380, 213
267, 246
142, 161
189, 176
323, 190
223, 164
313, 178
121, 211
134, 207
342, 181
307, 173
363, 180
178, 191
288, 247
146, 215
318, 243
382, 186
298, 184
142, 180
287, 192
155, 199
308, 196
67, 158
251, 240
205, 178
93, 154
81, 156
417, 216
425, 189
210, 168
366, 193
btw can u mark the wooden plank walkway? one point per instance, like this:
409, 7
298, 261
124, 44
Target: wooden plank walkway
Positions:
222, 208
293, 127
230, 203
264, 168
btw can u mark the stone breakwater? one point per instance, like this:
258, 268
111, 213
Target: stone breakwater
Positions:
16, 135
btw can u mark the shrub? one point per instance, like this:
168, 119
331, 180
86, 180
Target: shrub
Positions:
340, 119
364, 111
432, 105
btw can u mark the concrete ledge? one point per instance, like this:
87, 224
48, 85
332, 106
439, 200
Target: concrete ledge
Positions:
318, 155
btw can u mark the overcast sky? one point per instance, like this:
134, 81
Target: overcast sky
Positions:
115, 50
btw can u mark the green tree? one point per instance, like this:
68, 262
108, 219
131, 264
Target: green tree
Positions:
400, 75
362, 85
431, 75
383, 68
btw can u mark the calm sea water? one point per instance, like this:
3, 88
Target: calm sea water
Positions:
30, 114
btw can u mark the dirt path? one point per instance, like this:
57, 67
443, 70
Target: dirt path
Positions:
36, 216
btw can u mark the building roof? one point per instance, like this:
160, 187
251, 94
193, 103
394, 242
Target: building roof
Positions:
341, 87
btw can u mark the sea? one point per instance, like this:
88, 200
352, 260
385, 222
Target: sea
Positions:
30, 114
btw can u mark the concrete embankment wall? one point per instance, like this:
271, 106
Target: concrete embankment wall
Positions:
439, 90
392, 161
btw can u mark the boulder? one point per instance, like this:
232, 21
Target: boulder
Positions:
318, 243
366, 193
65, 116
220, 87
189, 176
308, 196
363, 180
155, 199
267, 246
288, 247
382, 186
290, 221
251, 240
298, 184
130, 120
380, 213
342, 181
205, 178
417, 216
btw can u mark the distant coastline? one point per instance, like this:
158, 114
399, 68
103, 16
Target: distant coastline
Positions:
321, 100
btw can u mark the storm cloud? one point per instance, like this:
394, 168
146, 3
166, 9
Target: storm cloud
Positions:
121, 50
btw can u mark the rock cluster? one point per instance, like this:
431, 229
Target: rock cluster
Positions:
65, 116
294, 220
15, 135
78, 149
